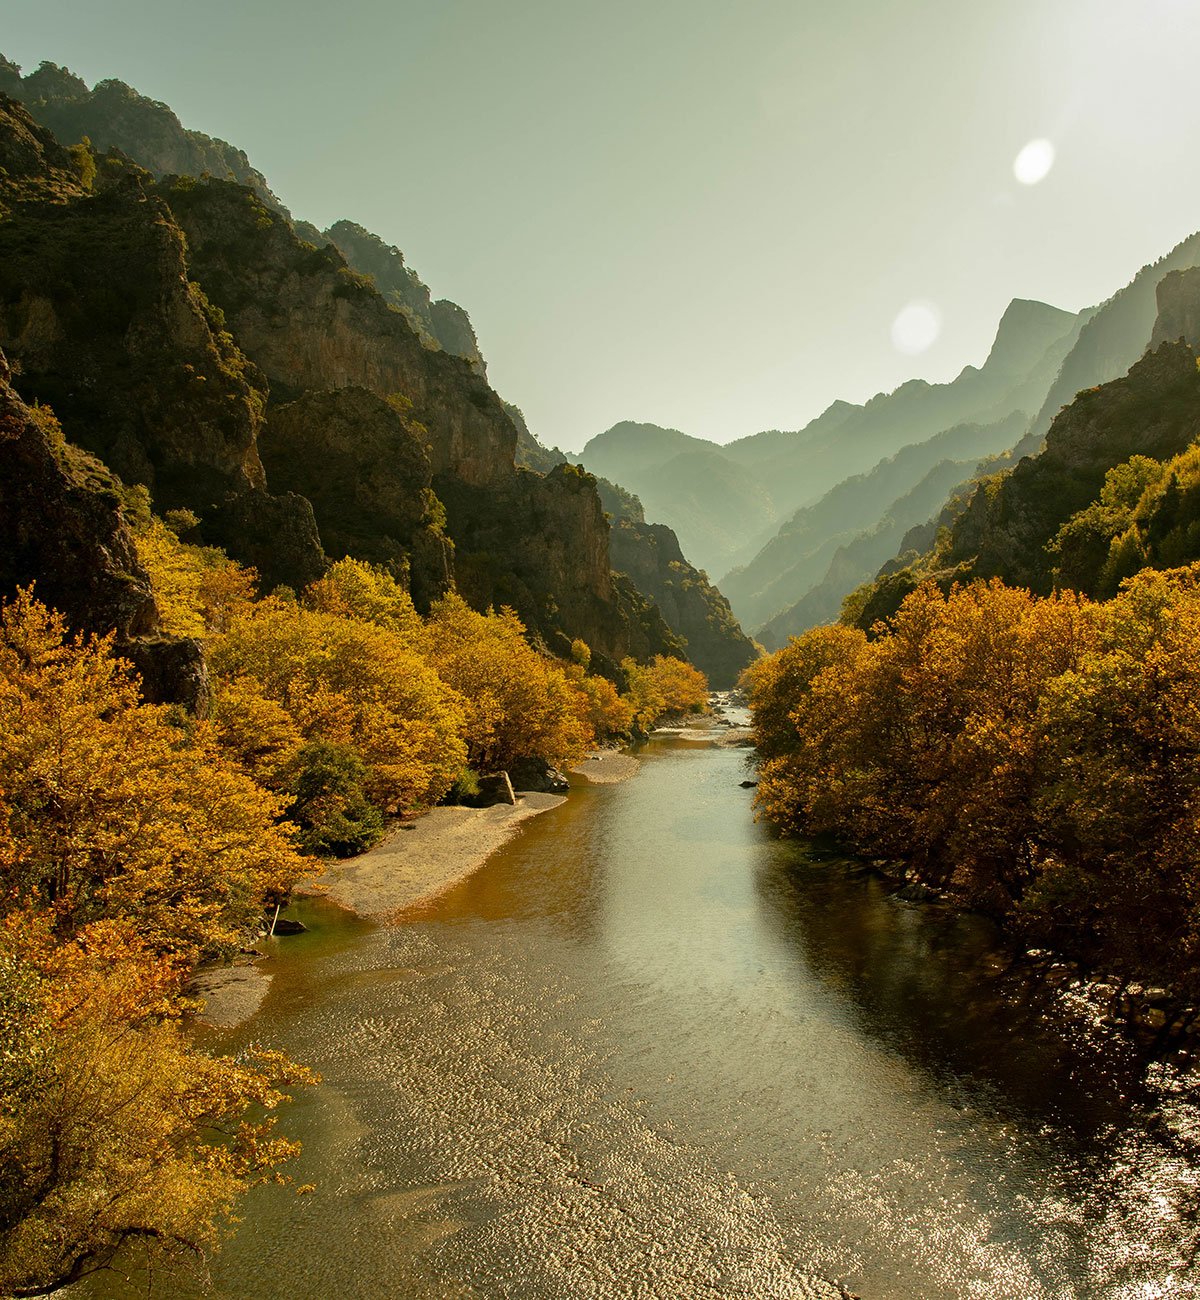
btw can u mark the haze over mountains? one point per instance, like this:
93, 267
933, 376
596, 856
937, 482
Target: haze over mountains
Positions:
795, 521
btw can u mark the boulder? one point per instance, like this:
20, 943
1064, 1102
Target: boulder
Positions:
538, 776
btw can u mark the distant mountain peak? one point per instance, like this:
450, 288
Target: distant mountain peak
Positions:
1027, 328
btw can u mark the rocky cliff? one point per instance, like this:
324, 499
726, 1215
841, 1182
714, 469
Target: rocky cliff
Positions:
63, 532
113, 115
102, 320
692, 606
439, 323
182, 329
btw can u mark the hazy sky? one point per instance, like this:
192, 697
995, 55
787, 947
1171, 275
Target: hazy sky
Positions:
701, 213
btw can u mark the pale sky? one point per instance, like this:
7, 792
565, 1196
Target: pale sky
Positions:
700, 213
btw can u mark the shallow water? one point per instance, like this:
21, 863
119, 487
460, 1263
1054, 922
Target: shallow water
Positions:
648, 1050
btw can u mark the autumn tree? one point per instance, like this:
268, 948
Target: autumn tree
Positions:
108, 1112
665, 686
355, 684
519, 703
115, 812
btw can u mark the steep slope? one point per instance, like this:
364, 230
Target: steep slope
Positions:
312, 325
857, 560
168, 321
1116, 334
709, 501
114, 115
441, 324
798, 556
1152, 411
1031, 341
62, 531
1012, 524
693, 608
98, 310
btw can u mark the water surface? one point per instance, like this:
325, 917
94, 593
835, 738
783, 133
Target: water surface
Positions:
649, 1050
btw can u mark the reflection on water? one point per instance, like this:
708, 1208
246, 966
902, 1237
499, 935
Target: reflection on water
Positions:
650, 1051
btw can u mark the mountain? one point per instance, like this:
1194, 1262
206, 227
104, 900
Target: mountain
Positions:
1113, 489
112, 115
710, 501
856, 560
373, 505
1115, 335
187, 338
724, 501
798, 556
651, 556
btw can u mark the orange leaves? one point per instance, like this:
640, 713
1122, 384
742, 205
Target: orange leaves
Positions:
350, 682
1038, 755
663, 686
112, 811
518, 703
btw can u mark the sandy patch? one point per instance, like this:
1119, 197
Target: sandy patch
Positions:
426, 858
607, 767
231, 993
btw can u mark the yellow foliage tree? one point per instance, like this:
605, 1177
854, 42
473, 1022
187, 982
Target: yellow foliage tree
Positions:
354, 684
519, 703
356, 589
665, 686
107, 1108
197, 588
113, 811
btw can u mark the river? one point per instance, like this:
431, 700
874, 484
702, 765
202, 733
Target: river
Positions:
651, 1051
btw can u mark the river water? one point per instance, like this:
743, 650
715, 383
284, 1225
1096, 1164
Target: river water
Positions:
651, 1051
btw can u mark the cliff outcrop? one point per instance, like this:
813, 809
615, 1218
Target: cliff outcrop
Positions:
440, 324
102, 319
690, 604
366, 469
113, 115
63, 532
184, 331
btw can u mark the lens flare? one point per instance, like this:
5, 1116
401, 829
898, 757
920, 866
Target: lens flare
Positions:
916, 328
1033, 163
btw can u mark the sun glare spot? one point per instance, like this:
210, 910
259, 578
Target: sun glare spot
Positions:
1033, 163
916, 328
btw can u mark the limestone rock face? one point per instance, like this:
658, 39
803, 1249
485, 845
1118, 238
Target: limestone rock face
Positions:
275, 534
540, 544
97, 308
178, 326
366, 470
690, 604
311, 323
1178, 295
61, 527
34, 167
440, 324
